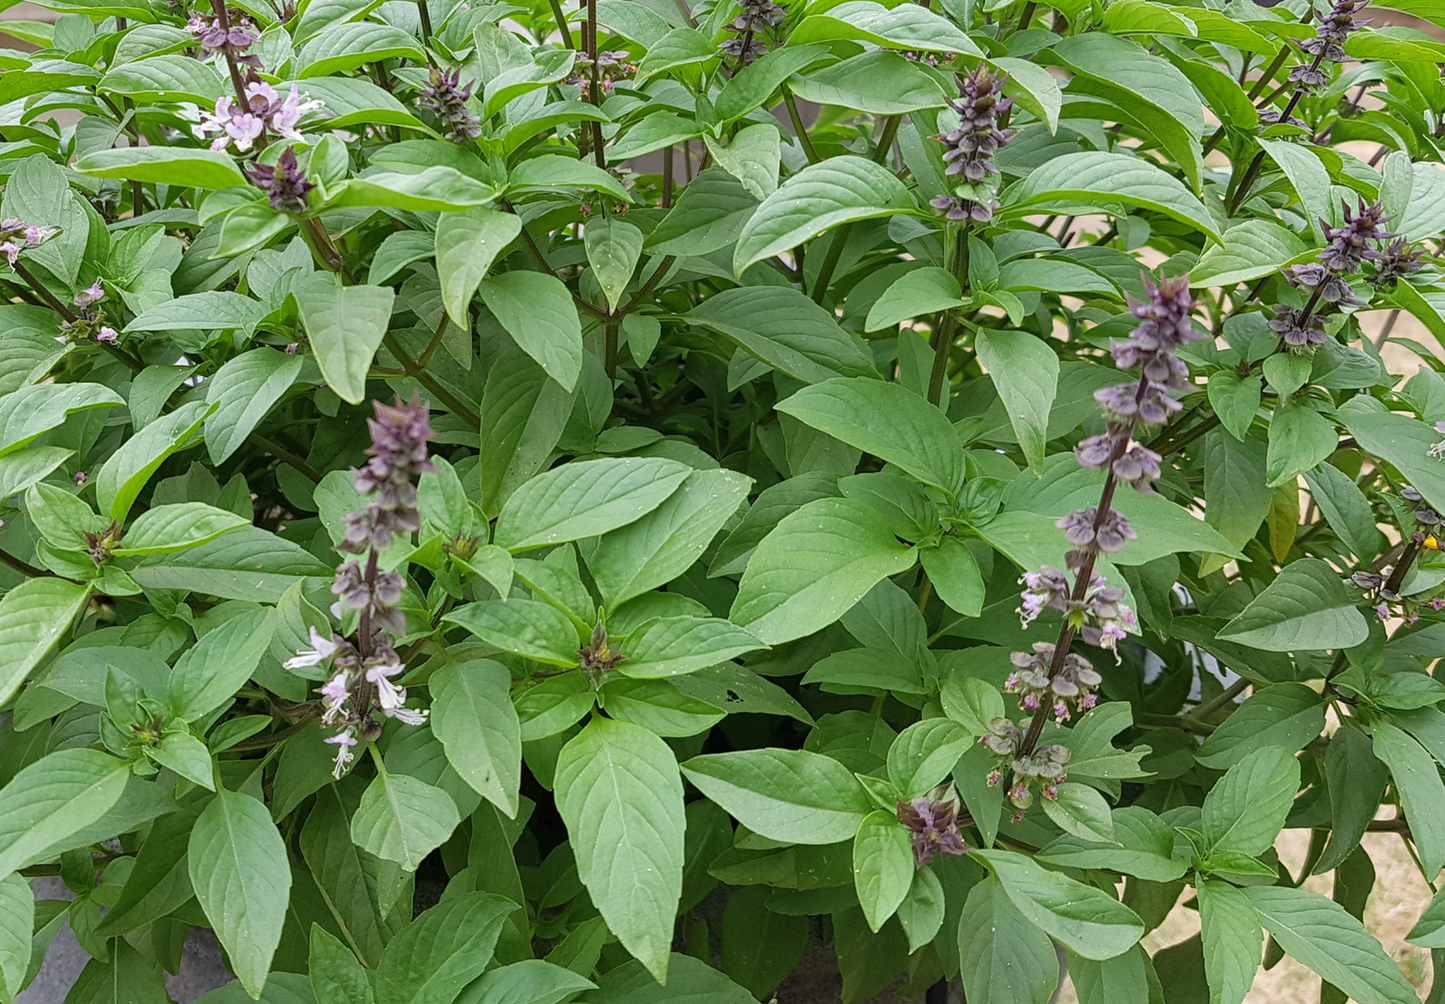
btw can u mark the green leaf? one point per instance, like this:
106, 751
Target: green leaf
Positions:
248, 564
1417, 780
756, 83
33, 616
473, 716
925, 753
1305, 608
1307, 176
753, 156
886, 420
1427, 932
660, 546
531, 981
613, 248
915, 293
232, 857
17, 923
1085, 919
882, 866
878, 82
956, 577
211, 671
1288, 715
187, 756
675, 646
1025, 372
23, 468
659, 707
208, 311
1404, 442
466, 245
1246, 808
585, 499
1233, 941
1005, 959
1299, 438
177, 526
53, 799
336, 976
123, 476
707, 216
163, 165
1152, 90
794, 796
529, 628
819, 561
345, 325
1097, 179
1318, 932
126, 976
619, 793
922, 911
169, 78
344, 47
403, 819
30, 411
780, 326
244, 390
679, 47
823, 195
524, 412
689, 981
1123, 978
1248, 251
1082, 811
439, 188
759, 947
443, 950
553, 171
900, 27
1346, 508
1144, 848
537, 311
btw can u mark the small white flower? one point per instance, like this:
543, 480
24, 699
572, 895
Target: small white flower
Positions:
344, 741
322, 648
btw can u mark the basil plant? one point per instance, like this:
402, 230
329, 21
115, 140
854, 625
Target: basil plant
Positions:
653, 501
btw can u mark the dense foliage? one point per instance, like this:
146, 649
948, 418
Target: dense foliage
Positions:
500, 507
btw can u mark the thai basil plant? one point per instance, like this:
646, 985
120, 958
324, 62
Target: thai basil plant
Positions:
519, 502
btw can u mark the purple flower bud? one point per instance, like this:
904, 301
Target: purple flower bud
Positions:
285, 184
448, 99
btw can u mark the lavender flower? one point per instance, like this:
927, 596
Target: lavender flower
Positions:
361, 678
1349, 245
1399, 259
933, 825
1328, 46
1043, 686
284, 183
448, 99
215, 36
757, 17
973, 145
16, 235
263, 110
1298, 328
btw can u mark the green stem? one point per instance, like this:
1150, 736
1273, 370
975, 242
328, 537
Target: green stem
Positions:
798, 128
945, 332
287, 457
323, 250
1227, 697
830, 262
23, 567
421, 376
561, 17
